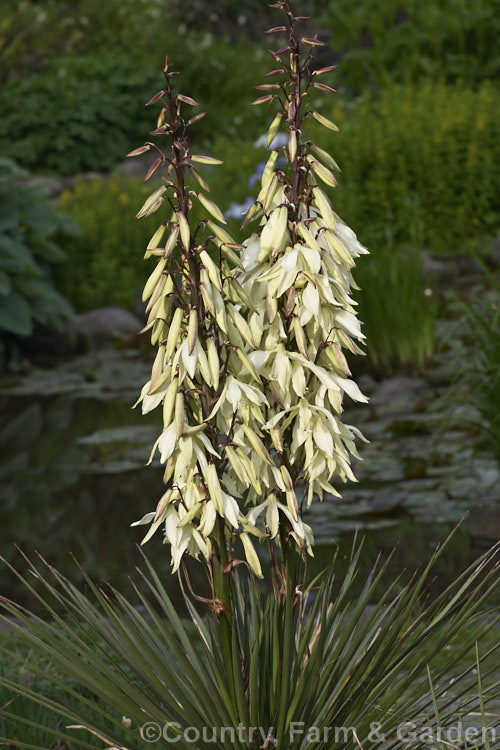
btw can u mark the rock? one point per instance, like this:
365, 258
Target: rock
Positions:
99, 328
54, 186
484, 523
385, 502
51, 186
444, 271
137, 166
469, 266
493, 257
397, 389
367, 384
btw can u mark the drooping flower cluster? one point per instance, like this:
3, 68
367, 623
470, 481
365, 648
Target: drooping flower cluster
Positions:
302, 279
250, 370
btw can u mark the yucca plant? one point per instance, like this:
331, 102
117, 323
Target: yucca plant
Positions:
355, 677
250, 371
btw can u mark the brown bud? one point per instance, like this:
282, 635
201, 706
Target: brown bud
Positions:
324, 87
290, 302
187, 100
152, 169
196, 118
262, 100
321, 71
155, 98
313, 41
274, 55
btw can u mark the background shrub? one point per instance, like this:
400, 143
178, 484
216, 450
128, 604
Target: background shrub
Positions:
104, 263
80, 113
28, 253
420, 156
74, 102
84, 113
33, 33
477, 380
417, 162
386, 41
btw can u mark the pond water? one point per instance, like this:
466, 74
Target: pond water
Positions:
73, 475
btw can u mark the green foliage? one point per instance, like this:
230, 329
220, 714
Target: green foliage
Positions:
28, 252
327, 661
31, 33
80, 113
420, 157
83, 107
478, 379
384, 41
84, 113
104, 261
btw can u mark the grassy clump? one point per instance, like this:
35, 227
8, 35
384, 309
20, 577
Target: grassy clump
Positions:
397, 308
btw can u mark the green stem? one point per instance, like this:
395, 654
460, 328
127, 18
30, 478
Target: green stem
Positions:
222, 592
290, 561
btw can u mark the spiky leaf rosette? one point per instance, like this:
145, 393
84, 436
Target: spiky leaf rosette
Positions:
193, 299
297, 272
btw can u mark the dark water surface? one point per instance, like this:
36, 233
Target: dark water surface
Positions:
73, 478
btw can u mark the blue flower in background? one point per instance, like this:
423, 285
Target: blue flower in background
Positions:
237, 210
255, 177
